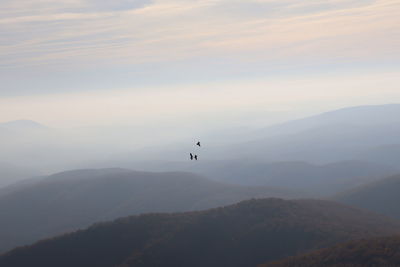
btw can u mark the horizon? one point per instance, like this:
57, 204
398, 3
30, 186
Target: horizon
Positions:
278, 122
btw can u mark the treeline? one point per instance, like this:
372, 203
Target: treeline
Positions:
376, 252
245, 234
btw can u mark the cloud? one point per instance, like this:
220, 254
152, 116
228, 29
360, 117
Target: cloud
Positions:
50, 6
105, 5
78, 34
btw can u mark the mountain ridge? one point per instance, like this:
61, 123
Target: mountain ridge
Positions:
244, 234
22, 125
380, 196
75, 199
377, 252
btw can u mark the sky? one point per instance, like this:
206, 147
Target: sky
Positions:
70, 63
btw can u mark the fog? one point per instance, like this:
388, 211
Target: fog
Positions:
342, 135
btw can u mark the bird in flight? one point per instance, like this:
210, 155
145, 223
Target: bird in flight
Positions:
191, 156
195, 157
198, 143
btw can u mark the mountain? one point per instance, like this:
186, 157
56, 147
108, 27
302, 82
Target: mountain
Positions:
244, 234
10, 173
333, 136
377, 252
25, 143
317, 180
20, 125
341, 135
360, 115
386, 154
382, 196
75, 199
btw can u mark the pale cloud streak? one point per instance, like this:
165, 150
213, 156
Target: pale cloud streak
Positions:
171, 30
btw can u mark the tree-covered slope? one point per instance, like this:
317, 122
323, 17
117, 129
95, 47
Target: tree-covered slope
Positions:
76, 199
244, 234
376, 252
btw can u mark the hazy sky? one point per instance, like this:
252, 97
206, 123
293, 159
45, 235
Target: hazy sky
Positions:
88, 62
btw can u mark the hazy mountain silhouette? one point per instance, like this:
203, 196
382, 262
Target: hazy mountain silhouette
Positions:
75, 199
245, 234
317, 180
387, 154
10, 173
321, 180
382, 196
377, 252
359, 115
20, 125
333, 136
341, 135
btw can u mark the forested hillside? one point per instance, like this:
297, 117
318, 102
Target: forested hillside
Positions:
67, 201
244, 234
376, 252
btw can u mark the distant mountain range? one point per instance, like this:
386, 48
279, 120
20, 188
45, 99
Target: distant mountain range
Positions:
376, 252
10, 173
338, 135
382, 196
244, 234
368, 133
334, 136
317, 180
22, 125
360, 115
71, 200
386, 154
345, 148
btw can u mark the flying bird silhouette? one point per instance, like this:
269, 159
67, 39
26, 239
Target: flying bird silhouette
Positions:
198, 143
195, 157
191, 156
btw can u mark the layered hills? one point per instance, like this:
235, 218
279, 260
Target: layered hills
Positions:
67, 201
317, 180
245, 234
382, 196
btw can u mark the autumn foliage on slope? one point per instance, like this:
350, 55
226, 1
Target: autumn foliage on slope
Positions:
244, 234
376, 252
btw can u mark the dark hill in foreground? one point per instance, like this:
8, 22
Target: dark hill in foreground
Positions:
244, 234
76, 199
382, 196
376, 252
